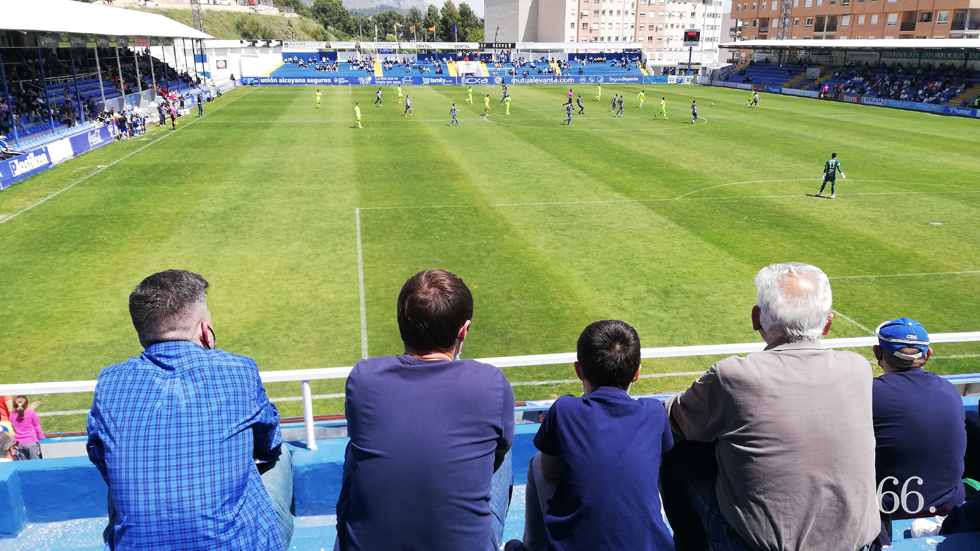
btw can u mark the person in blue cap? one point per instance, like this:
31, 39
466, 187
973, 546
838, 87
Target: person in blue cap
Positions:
920, 431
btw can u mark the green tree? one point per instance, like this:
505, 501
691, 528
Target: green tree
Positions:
450, 18
414, 18
431, 19
297, 6
332, 15
387, 20
474, 34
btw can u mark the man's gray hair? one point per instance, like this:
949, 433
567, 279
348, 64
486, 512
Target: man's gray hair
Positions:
794, 300
6, 442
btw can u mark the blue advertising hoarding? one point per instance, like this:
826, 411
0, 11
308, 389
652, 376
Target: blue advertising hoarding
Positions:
24, 166
447, 80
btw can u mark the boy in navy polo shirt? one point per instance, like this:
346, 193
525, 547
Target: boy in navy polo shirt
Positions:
919, 425
593, 486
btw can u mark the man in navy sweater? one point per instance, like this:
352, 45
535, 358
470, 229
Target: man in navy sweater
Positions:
919, 429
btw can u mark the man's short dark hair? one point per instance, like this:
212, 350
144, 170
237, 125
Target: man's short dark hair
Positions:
6, 442
432, 306
161, 303
609, 353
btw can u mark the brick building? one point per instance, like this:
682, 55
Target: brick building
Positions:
857, 19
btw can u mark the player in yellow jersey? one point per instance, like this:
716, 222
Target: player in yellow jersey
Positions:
507, 105
317, 98
357, 114
599, 95
641, 96
486, 106
469, 95
663, 108
400, 97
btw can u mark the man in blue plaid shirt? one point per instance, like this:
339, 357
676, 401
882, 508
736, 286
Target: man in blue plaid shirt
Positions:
176, 433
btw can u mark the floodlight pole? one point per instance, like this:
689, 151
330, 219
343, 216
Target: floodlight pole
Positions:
6, 93
122, 81
98, 69
74, 81
44, 85
136, 63
153, 73
174, 44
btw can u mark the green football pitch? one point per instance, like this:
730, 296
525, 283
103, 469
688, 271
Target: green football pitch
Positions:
663, 224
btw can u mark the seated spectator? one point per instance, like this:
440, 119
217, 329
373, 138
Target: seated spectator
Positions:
775, 450
27, 429
428, 460
593, 484
8, 447
919, 428
163, 421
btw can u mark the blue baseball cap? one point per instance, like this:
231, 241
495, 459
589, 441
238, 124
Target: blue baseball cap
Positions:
903, 333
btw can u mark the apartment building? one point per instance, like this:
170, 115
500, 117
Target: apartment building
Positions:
657, 24
868, 19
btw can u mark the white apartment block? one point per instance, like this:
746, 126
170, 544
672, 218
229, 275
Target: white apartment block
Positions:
657, 24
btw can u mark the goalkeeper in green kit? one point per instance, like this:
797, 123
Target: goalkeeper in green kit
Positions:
830, 170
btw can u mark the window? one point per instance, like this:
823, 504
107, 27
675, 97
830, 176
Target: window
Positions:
845, 2
603, 12
618, 12
774, 6
832, 2
595, 13
925, 17
819, 2
572, 25
891, 20
809, 22
860, 20
763, 5
660, 39
585, 26
942, 18
585, 13
754, 6
642, 26
796, 3
595, 26
755, 22
808, 4
643, 14
857, 37
796, 23
845, 21
639, 39
738, 7
874, 19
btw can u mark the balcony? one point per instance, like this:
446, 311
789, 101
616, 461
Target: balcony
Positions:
763, 30
907, 27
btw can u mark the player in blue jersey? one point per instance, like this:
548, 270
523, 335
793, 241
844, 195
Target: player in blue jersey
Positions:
377, 102
694, 111
408, 106
581, 108
619, 106
453, 113
568, 111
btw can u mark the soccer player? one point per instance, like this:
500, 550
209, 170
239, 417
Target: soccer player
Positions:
599, 95
663, 108
400, 97
641, 96
377, 102
830, 170
317, 98
619, 104
408, 106
453, 113
504, 98
755, 100
612, 106
357, 114
486, 106
507, 105
568, 112
469, 95
694, 111
581, 108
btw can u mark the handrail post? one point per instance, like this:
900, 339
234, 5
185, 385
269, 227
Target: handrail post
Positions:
308, 415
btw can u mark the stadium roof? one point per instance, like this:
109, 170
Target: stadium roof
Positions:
858, 44
67, 16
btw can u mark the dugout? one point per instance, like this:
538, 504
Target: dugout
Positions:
60, 53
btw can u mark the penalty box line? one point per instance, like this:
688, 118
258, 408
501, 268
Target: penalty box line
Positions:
117, 161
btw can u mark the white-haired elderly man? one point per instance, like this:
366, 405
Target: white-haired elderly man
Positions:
780, 447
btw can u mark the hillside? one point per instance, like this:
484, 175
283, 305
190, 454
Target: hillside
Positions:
225, 25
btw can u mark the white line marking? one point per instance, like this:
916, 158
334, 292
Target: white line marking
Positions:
167, 135
72, 412
811, 180
907, 275
300, 398
613, 201
360, 281
870, 332
955, 357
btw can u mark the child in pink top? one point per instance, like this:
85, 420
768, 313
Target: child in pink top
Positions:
27, 429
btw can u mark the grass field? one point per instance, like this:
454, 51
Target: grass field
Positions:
660, 223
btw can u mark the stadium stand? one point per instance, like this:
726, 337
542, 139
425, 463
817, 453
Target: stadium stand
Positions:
767, 74
919, 83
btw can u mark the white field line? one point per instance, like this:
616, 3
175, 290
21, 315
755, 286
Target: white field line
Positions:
837, 312
360, 282
817, 180
955, 357
165, 136
907, 275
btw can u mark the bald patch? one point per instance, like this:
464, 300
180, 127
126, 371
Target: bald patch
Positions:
797, 285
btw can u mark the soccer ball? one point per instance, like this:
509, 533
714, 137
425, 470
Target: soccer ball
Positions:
712, 104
